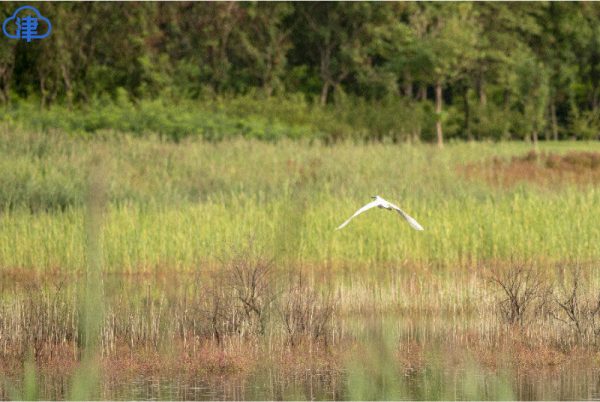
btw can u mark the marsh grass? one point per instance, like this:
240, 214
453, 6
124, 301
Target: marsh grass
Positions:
138, 255
380, 339
181, 206
51, 323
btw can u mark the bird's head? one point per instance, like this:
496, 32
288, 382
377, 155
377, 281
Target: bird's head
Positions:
374, 197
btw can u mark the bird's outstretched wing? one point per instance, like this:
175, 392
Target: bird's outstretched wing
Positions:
411, 221
370, 205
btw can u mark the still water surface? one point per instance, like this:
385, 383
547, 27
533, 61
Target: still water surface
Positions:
429, 383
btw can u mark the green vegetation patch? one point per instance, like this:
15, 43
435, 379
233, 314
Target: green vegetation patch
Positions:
178, 206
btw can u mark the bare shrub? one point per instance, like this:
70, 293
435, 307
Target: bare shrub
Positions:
524, 293
238, 299
577, 306
250, 282
219, 309
36, 323
306, 313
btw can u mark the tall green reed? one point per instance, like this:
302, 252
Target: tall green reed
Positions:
182, 206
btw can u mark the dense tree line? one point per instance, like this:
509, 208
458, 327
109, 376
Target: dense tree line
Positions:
494, 70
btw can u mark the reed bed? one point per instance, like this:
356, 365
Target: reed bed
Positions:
250, 303
183, 206
198, 258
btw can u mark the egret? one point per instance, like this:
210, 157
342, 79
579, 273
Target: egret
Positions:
381, 203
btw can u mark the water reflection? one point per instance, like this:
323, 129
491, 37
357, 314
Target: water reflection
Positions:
445, 368
429, 384
267, 385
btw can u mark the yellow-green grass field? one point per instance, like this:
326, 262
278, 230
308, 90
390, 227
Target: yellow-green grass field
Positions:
179, 206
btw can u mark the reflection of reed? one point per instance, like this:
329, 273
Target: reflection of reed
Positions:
406, 336
91, 303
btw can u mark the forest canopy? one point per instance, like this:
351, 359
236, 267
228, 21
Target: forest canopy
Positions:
399, 71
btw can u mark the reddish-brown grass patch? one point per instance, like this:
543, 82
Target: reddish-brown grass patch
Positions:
545, 169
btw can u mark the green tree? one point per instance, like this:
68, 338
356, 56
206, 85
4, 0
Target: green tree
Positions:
265, 41
448, 34
336, 38
533, 96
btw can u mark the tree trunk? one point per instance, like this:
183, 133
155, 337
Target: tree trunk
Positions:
4, 82
422, 93
438, 113
416, 134
43, 92
467, 113
506, 106
481, 90
268, 90
554, 123
325, 71
324, 93
68, 86
408, 87
5, 91
534, 135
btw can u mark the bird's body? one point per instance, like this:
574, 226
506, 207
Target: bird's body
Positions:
381, 203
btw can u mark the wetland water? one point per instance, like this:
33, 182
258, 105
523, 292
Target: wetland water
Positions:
579, 384
433, 381
369, 356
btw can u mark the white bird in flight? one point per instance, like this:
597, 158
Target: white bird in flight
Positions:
381, 203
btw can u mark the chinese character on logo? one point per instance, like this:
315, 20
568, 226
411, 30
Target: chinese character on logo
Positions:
25, 27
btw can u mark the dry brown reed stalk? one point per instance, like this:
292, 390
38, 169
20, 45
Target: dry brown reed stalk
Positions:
306, 313
247, 306
241, 303
547, 169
